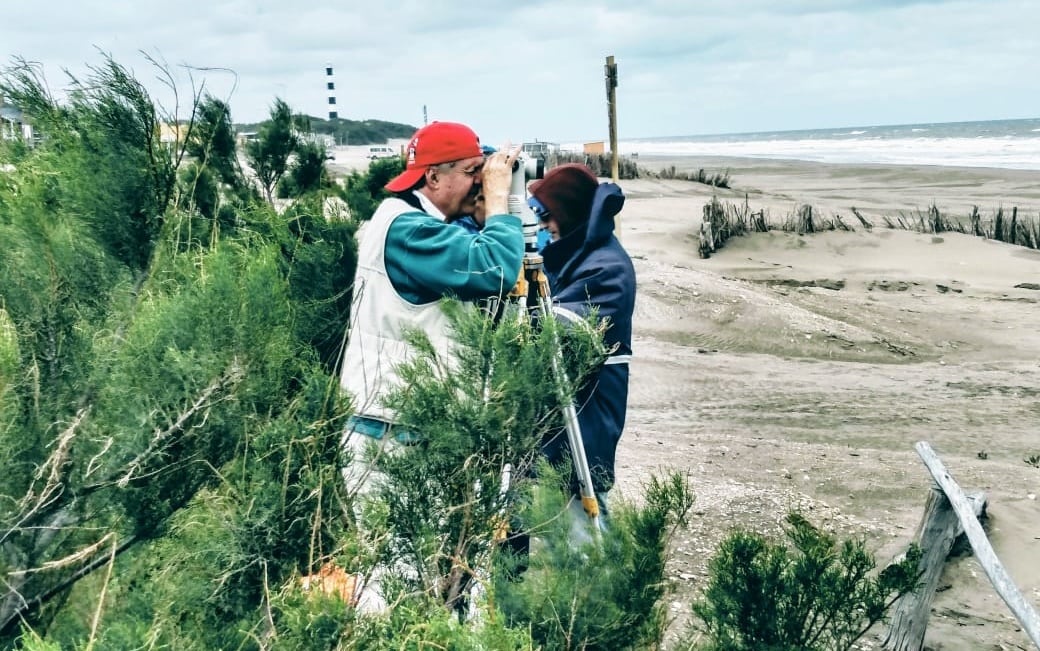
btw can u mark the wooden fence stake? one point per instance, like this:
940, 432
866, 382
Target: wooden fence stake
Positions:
998, 576
936, 535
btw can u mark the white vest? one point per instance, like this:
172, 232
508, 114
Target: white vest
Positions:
380, 317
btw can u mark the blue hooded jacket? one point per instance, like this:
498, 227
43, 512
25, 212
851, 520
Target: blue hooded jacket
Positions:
589, 270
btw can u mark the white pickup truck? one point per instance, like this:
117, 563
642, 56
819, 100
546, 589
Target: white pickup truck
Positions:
381, 151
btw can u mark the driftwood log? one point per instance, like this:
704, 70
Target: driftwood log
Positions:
936, 535
987, 558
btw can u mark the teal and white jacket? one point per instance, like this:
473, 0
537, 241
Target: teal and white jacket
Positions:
408, 260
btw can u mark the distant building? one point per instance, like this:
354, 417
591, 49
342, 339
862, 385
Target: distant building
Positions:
597, 147
243, 137
541, 149
14, 125
323, 139
172, 133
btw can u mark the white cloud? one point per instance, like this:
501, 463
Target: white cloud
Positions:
535, 69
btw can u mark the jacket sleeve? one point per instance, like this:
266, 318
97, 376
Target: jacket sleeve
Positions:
427, 258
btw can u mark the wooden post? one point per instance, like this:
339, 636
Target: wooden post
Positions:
610, 71
938, 530
611, 75
998, 576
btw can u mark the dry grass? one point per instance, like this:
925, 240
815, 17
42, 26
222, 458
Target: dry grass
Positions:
724, 220
628, 168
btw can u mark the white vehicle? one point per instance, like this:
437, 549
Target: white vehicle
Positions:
381, 151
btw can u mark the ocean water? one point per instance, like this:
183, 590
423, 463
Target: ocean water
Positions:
1012, 144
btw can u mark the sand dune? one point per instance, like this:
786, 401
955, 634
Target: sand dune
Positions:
797, 372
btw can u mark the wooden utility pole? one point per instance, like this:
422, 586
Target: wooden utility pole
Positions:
611, 74
610, 70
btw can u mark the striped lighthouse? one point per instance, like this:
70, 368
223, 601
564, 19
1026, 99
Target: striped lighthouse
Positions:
330, 86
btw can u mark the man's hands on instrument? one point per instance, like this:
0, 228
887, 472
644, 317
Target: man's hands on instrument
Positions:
498, 174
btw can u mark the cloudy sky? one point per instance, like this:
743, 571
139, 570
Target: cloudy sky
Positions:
525, 69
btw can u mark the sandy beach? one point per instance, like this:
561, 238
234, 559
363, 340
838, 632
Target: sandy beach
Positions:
774, 395
774, 390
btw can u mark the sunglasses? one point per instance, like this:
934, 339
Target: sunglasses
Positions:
541, 213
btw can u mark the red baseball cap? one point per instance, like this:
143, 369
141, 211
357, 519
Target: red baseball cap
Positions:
437, 142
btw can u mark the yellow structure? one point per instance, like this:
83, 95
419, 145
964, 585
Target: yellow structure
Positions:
172, 133
594, 148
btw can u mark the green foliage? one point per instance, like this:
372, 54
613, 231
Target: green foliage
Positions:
30, 641
307, 172
212, 188
363, 191
8, 354
350, 132
201, 191
483, 406
137, 371
817, 595
307, 622
269, 152
101, 158
604, 595
211, 140
320, 257
275, 513
9, 383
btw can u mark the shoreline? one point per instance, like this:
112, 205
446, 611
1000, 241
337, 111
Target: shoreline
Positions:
877, 189
695, 161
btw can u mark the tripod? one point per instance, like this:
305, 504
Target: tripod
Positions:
532, 293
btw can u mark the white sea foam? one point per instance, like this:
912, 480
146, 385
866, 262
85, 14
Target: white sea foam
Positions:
1007, 144
1017, 153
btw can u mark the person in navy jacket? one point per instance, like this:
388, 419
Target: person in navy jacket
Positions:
588, 271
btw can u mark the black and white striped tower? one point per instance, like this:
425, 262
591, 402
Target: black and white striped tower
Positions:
330, 85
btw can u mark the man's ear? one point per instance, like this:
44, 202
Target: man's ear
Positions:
432, 176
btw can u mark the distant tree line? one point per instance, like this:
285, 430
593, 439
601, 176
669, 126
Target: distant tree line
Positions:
347, 132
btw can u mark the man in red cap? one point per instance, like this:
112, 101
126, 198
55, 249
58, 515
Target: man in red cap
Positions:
409, 258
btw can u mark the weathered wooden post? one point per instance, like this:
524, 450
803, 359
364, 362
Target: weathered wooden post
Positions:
936, 534
998, 576
610, 71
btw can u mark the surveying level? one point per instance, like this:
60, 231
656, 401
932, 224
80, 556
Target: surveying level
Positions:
532, 292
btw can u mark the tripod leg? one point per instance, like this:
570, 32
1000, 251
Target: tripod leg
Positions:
570, 417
